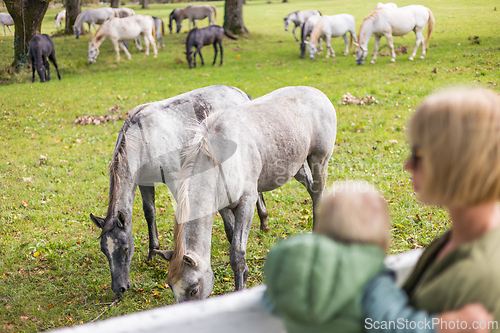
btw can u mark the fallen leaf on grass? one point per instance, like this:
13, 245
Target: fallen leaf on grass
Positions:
350, 99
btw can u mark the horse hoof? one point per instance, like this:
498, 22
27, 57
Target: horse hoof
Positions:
265, 228
394, 60
421, 57
346, 53
411, 59
372, 62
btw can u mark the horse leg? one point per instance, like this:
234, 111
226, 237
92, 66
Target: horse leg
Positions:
153, 44
304, 177
9, 30
228, 218
221, 52
262, 211
391, 45
138, 44
147, 41
329, 47
148, 206
346, 40
293, 32
419, 38
320, 48
319, 167
47, 68
4, 32
215, 50
201, 57
375, 51
53, 59
243, 214
33, 67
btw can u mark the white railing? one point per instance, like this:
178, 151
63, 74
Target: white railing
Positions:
240, 311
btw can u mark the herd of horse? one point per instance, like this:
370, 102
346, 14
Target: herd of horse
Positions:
387, 20
215, 148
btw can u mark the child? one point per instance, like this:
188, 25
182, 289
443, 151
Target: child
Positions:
316, 281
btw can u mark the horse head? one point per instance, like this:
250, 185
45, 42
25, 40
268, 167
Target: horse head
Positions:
312, 49
93, 52
195, 279
179, 25
361, 54
189, 58
287, 22
117, 244
77, 31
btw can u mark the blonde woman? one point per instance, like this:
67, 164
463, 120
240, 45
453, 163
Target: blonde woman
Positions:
455, 162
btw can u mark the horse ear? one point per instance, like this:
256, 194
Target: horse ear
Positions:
189, 260
98, 221
120, 223
164, 254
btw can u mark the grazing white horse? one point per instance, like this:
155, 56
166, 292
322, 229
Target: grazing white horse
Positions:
394, 22
124, 29
197, 12
92, 16
307, 28
298, 18
6, 20
124, 12
332, 26
59, 17
389, 5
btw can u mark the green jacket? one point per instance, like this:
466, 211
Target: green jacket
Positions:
316, 284
469, 274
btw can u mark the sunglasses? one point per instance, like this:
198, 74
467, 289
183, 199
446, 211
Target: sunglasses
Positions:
416, 155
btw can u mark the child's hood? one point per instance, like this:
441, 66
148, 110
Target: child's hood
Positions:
310, 278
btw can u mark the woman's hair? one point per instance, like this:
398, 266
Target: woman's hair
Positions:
354, 212
458, 134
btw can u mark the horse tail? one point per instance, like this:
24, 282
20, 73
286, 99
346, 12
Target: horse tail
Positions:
430, 26
162, 28
228, 34
316, 31
170, 20
215, 14
153, 29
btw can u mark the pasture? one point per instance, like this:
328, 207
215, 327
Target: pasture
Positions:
54, 172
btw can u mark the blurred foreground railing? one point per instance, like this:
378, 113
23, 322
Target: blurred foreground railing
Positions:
239, 311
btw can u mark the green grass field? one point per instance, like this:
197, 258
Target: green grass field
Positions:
52, 272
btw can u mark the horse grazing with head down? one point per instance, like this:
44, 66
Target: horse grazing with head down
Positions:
59, 17
174, 15
235, 154
197, 12
298, 18
394, 22
205, 36
42, 47
124, 29
307, 28
332, 26
6, 21
92, 17
148, 152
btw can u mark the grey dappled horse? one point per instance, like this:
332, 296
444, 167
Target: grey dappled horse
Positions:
147, 151
196, 12
92, 17
298, 18
42, 47
174, 15
205, 36
235, 154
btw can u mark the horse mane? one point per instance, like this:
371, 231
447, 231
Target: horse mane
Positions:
98, 37
199, 144
119, 158
369, 16
77, 21
316, 32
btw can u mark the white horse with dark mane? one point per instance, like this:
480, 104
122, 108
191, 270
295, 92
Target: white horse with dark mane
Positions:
59, 17
6, 20
124, 29
235, 154
92, 17
389, 5
197, 12
394, 22
332, 26
307, 28
298, 18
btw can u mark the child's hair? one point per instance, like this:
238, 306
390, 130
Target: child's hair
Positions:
457, 132
354, 212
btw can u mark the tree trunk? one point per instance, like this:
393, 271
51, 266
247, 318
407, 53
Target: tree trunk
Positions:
145, 4
233, 17
115, 3
285, 0
27, 16
73, 9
